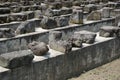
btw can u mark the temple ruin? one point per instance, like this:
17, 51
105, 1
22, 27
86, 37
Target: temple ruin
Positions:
57, 39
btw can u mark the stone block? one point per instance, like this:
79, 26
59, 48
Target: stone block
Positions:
38, 48
6, 33
94, 15
34, 7
4, 19
65, 10
16, 59
29, 14
62, 46
76, 42
25, 27
56, 5
16, 9
106, 12
56, 42
84, 36
76, 3
38, 14
77, 17
56, 12
18, 17
119, 24
4, 10
55, 36
67, 4
5, 4
62, 21
89, 8
25, 8
48, 13
109, 31
48, 23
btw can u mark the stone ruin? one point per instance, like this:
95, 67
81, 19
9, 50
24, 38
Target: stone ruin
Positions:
57, 39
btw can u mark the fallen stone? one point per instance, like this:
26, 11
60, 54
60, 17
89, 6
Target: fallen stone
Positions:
56, 12
77, 17
76, 3
48, 23
38, 14
56, 42
106, 12
76, 42
26, 8
18, 17
62, 46
38, 48
62, 21
4, 10
29, 14
4, 19
95, 15
65, 10
89, 8
16, 9
67, 4
25, 27
6, 33
119, 24
56, 5
84, 36
109, 31
48, 13
55, 36
16, 59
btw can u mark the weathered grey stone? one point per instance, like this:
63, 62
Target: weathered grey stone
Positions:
15, 9
76, 42
44, 7
48, 23
56, 5
4, 10
18, 17
106, 12
62, 46
119, 24
67, 4
109, 31
56, 42
16, 59
65, 10
38, 14
56, 12
116, 12
35, 7
84, 36
62, 21
25, 8
6, 33
49, 13
94, 15
5, 4
77, 17
29, 14
4, 19
55, 36
89, 8
25, 27
38, 48
76, 3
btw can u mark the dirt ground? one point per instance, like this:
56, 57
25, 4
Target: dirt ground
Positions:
110, 71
